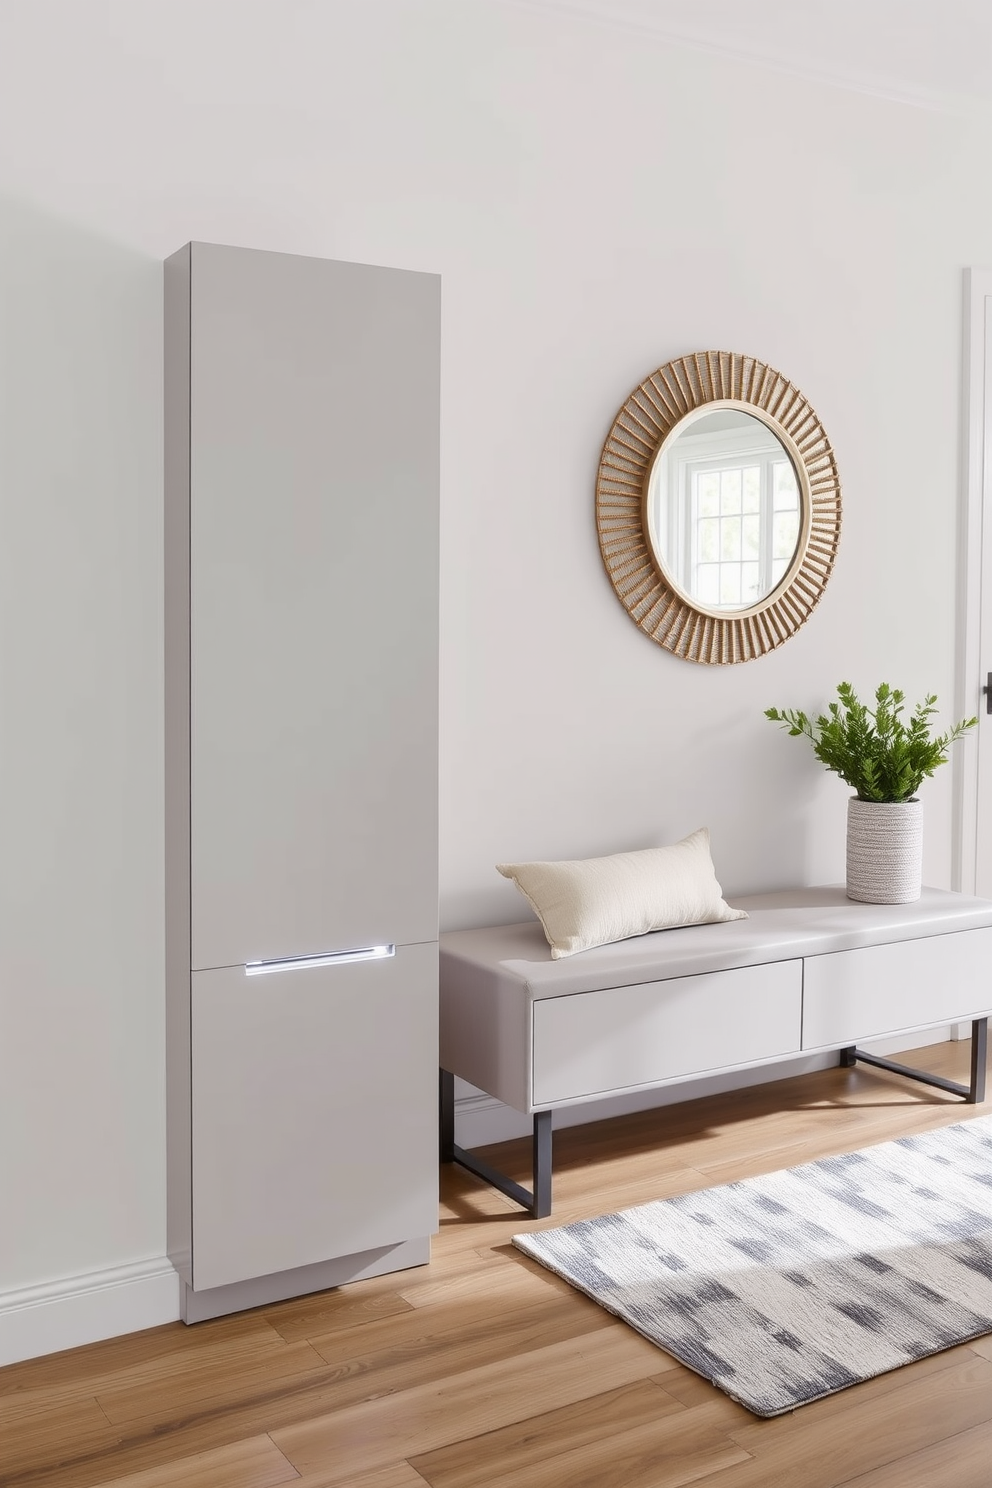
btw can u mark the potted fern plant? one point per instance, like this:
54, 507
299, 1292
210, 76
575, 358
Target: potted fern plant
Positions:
885, 759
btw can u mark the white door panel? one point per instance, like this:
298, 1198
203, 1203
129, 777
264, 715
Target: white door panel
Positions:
314, 572
314, 1100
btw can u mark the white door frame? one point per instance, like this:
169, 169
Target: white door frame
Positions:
977, 448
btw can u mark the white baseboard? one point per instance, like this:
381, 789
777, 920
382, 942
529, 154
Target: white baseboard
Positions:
75, 1310
479, 1119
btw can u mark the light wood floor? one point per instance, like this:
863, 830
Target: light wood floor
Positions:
483, 1370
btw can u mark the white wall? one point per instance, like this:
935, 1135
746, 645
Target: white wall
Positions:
596, 203
81, 882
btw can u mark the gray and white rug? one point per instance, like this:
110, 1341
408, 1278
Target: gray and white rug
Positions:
785, 1288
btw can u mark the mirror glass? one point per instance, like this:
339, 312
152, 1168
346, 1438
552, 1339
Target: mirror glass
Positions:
724, 509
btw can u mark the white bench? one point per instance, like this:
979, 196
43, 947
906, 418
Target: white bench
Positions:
808, 971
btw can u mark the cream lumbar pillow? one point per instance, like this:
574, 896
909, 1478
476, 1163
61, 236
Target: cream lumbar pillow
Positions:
594, 901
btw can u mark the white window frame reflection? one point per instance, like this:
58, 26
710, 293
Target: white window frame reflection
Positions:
731, 581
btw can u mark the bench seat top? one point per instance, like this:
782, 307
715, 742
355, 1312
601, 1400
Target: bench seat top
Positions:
781, 926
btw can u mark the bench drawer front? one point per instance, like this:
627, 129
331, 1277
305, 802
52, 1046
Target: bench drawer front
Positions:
595, 1043
863, 994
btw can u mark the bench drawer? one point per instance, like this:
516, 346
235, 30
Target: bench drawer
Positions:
883, 989
596, 1043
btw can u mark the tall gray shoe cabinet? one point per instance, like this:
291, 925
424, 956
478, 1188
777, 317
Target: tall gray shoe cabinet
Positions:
302, 403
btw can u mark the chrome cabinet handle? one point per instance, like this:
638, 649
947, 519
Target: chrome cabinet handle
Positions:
324, 958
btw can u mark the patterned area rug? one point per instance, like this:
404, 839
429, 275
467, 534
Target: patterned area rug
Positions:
786, 1288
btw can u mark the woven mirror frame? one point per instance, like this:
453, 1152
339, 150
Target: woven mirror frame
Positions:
653, 601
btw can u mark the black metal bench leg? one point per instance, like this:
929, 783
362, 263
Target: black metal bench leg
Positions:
979, 1060
541, 1207
538, 1203
973, 1092
446, 1104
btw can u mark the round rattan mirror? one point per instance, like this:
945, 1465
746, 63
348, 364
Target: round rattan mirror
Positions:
718, 507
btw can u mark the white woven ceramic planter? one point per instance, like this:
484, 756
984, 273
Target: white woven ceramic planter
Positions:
884, 851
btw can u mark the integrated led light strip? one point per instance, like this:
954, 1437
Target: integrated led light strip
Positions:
329, 958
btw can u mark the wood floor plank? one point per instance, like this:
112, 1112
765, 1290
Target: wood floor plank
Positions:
417, 1360
55, 1438
76, 1368
200, 1355
664, 1453
161, 1401
462, 1334
277, 1402
461, 1260
537, 1440
474, 1401
467, 1197
510, 1277
821, 1448
140, 1444
326, 1311
961, 1461
622, 1192
982, 1346
397, 1475
866, 1132
256, 1463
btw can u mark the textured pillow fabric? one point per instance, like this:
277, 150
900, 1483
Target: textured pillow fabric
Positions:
594, 901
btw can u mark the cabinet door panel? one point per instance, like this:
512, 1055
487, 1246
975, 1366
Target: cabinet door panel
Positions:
863, 994
314, 577
594, 1043
314, 1113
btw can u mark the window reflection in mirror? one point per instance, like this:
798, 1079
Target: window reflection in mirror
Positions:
723, 509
